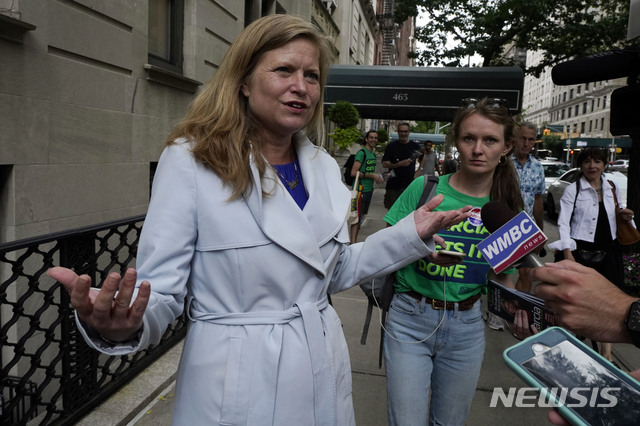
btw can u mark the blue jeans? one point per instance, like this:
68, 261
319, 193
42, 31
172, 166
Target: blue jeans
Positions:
448, 362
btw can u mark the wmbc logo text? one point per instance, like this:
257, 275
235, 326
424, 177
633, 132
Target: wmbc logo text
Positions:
574, 397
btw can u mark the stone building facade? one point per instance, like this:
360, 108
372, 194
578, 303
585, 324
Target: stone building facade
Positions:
90, 89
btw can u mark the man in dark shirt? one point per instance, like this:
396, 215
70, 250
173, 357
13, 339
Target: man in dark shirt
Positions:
400, 158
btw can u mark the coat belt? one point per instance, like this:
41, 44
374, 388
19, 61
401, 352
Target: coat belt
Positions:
323, 380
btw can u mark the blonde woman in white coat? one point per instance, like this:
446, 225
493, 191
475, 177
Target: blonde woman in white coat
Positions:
587, 222
247, 225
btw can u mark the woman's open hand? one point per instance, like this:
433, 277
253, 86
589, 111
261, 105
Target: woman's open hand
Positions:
429, 222
111, 315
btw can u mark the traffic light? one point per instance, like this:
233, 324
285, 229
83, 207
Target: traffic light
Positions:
571, 152
546, 132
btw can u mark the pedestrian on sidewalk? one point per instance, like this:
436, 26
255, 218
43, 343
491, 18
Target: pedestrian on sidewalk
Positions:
434, 344
246, 231
531, 178
400, 159
365, 165
429, 165
587, 222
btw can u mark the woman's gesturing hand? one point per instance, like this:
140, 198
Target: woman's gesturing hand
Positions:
111, 315
429, 222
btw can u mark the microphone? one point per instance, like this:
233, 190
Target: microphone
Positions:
607, 65
494, 215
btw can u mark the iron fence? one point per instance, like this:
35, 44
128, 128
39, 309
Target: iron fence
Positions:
49, 375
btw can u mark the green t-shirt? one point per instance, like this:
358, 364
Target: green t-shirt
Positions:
367, 161
463, 280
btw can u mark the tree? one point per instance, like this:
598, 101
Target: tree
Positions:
458, 29
424, 127
553, 144
383, 138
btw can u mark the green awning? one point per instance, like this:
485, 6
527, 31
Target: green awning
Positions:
420, 93
602, 142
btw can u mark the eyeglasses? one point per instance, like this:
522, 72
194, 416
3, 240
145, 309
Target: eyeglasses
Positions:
491, 103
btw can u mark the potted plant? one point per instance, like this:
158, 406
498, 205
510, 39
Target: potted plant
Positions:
346, 117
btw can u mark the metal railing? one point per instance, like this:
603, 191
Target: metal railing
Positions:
48, 374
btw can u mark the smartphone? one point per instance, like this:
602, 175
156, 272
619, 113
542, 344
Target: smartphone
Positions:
456, 254
585, 387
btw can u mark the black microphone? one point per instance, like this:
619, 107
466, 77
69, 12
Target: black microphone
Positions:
494, 214
607, 65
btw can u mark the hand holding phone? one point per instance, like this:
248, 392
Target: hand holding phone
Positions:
586, 387
450, 253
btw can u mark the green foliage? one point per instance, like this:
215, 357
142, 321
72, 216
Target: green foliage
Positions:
343, 114
424, 127
490, 28
383, 136
345, 137
554, 144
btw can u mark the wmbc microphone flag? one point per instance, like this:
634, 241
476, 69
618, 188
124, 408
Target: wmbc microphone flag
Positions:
512, 241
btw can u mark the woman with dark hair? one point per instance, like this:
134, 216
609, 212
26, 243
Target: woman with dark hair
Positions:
434, 343
587, 221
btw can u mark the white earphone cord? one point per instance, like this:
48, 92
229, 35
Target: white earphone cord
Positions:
444, 292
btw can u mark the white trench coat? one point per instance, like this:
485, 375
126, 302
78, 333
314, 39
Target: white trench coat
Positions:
264, 347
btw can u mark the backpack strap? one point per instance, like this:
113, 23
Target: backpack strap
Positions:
363, 160
428, 190
615, 196
574, 200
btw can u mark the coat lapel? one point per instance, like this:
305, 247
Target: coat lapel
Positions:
300, 232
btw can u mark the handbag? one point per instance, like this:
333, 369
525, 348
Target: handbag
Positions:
353, 218
626, 233
591, 259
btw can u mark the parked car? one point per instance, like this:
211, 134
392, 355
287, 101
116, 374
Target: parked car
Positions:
556, 189
618, 165
553, 169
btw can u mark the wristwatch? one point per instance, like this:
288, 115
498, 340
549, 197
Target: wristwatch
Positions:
633, 322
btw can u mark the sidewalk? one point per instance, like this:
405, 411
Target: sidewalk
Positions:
148, 399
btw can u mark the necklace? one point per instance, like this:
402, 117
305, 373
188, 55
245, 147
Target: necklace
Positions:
291, 184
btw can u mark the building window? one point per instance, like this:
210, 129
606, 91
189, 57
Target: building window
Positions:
584, 108
562, 116
577, 110
569, 112
593, 103
586, 87
564, 97
166, 24
590, 126
604, 102
571, 94
578, 89
602, 123
582, 127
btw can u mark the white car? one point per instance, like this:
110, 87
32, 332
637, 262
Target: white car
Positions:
552, 171
618, 165
556, 189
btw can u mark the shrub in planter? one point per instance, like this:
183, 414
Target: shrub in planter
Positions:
344, 138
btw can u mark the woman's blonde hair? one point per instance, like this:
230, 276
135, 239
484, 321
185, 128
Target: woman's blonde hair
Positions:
505, 186
218, 122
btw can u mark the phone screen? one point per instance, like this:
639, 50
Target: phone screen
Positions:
587, 387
